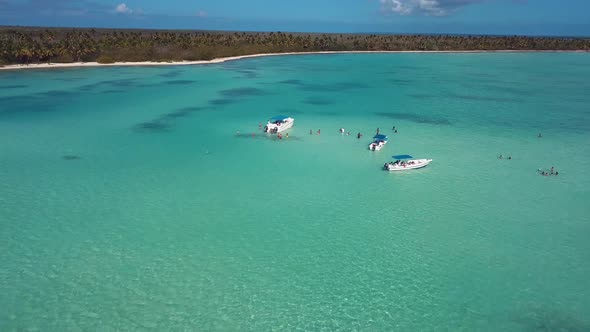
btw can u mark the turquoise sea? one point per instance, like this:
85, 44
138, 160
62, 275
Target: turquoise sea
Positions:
130, 201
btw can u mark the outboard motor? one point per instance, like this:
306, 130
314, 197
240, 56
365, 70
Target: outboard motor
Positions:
265, 129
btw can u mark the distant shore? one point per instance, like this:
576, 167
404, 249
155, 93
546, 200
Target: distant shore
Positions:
233, 58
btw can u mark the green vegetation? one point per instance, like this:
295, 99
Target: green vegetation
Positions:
37, 45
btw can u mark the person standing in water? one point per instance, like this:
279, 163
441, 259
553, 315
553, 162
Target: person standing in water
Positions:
377, 131
359, 135
311, 132
319, 132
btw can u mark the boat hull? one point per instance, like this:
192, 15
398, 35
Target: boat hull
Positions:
418, 163
270, 127
376, 146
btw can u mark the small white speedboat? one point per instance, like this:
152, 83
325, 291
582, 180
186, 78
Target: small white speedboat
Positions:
278, 124
379, 142
404, 163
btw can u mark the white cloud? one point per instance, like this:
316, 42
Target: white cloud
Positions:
426, 7
431, 7
123, 9
396, 6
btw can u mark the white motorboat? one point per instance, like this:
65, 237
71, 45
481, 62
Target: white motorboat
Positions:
278, 124
379, 141
405, 163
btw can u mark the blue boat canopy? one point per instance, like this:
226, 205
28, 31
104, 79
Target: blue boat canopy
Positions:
382, 137
278, 118
402, 156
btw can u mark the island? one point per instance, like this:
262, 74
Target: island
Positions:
38, 45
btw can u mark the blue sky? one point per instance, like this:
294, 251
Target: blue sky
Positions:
523, 17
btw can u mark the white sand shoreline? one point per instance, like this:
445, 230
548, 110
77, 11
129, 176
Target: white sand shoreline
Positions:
233, 58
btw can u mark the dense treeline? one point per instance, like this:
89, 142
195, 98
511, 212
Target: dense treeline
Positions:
33, 45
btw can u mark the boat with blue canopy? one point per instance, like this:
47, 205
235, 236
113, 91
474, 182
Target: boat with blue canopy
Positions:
379, 141
404, 162
278, 123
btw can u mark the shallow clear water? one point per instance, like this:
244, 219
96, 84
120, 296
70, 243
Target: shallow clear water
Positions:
128, 200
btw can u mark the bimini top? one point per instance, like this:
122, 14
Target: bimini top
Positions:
380, 137
278, 118
402, 156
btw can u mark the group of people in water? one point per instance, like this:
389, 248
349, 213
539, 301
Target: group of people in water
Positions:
540, 171
393, 129
548, 173
341, 130
344, 132
347, 133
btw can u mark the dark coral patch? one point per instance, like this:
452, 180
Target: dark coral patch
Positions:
292, 82
417, 118
192, 109
180, 82
242, 92
318, 101
56, 93
171, 74
16, 86
155, 126
248, 73
222, 102
484, 98
400, 81
176, 114
422, 96
539, 319
119, 83
333, 87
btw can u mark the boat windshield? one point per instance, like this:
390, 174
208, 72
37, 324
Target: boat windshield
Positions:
278, 119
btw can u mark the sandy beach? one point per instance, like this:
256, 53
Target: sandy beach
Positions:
233, 58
